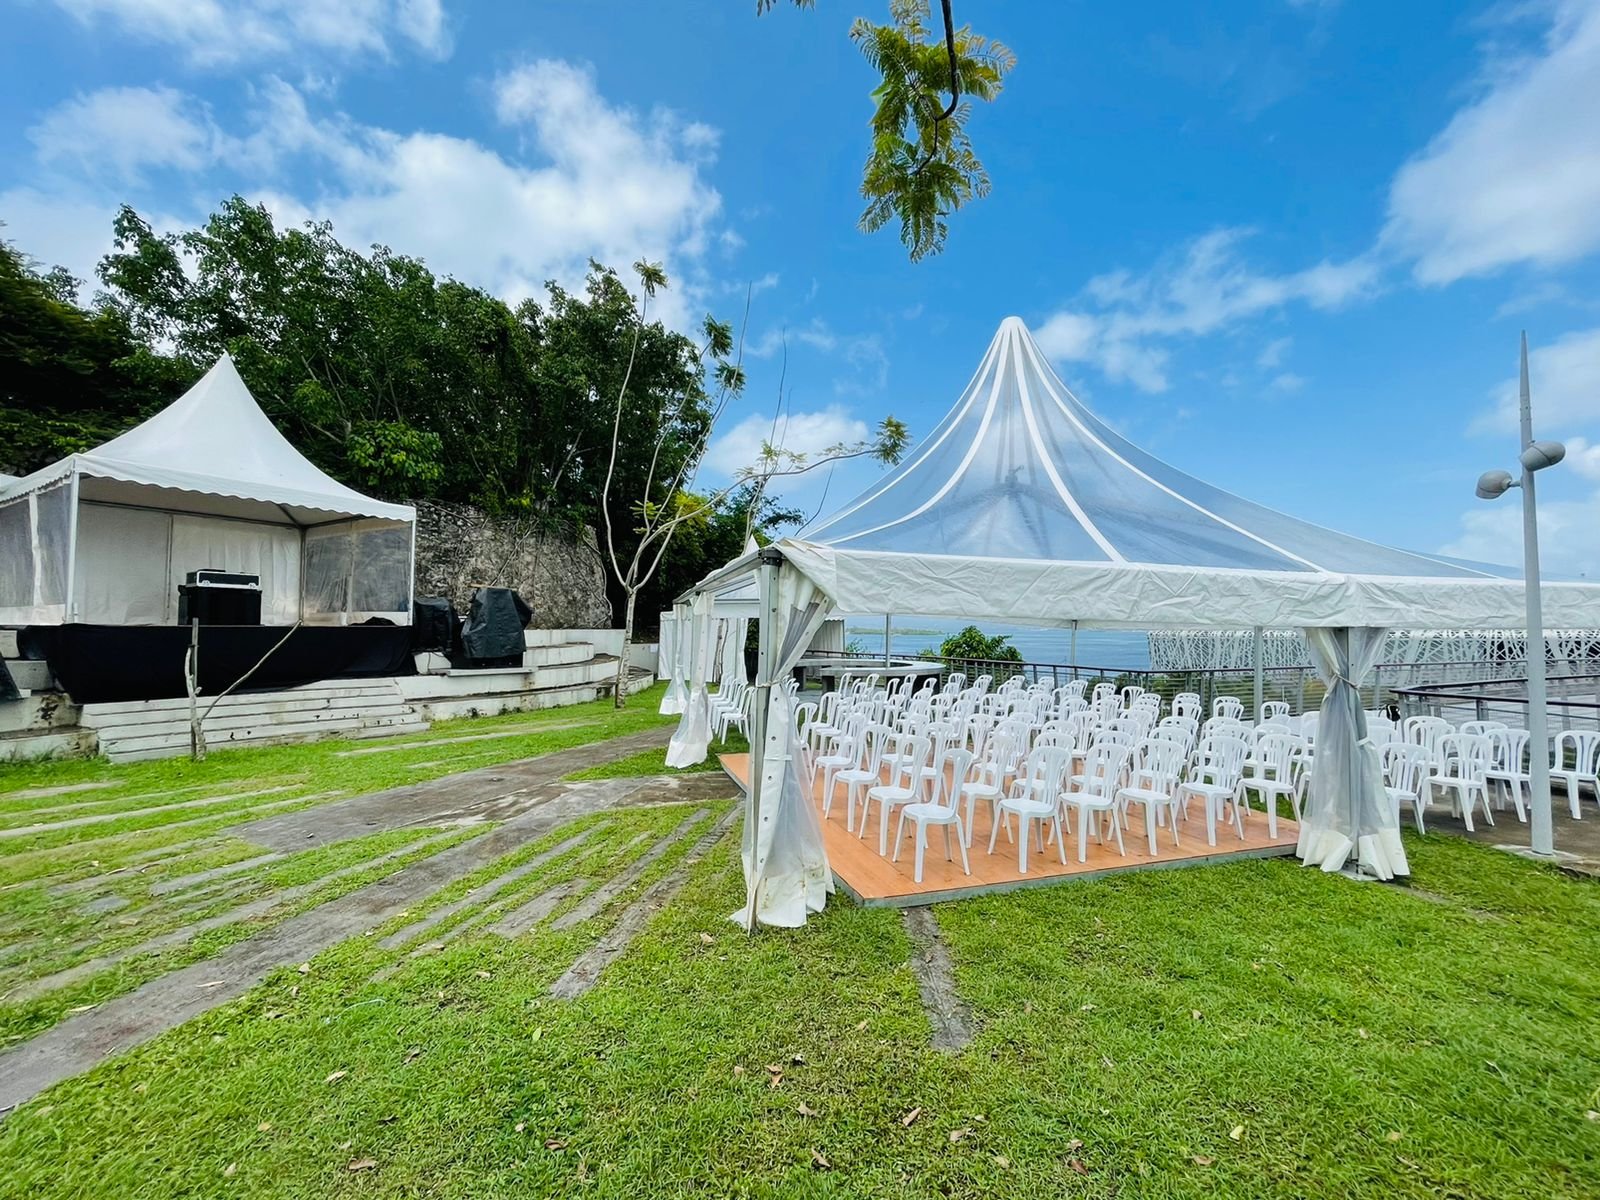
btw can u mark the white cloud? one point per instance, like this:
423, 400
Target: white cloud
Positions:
123, 131
1564, 383
1569, 534
423, 22
809, 433
864, 352
1583, 458
1122, 320
56, 230
590, 179
221, 32
1287, 381
1564, 379
1273, 352
1515, 176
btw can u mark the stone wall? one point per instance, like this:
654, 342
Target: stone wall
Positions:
460, 548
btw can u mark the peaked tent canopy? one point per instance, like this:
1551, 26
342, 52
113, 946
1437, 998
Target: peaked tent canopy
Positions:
1023, 506
106, 536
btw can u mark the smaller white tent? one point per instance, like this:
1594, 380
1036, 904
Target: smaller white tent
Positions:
106, 537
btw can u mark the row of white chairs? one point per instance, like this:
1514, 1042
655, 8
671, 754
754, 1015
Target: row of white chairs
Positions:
1040, 756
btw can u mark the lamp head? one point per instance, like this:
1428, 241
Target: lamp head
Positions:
1540, 455
1494, 484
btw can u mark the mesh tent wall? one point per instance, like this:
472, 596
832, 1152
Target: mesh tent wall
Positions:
1022, 506
106, 537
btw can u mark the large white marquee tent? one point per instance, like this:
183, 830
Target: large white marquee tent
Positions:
1023, 506
106, 537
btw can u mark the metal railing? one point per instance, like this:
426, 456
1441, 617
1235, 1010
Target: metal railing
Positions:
1572, 702
1298, 686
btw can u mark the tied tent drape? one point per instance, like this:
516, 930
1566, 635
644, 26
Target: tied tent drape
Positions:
693, 735
734, 632
785, 866
674, 638
1349, 813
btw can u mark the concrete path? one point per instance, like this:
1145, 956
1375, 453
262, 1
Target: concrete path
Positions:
495, 793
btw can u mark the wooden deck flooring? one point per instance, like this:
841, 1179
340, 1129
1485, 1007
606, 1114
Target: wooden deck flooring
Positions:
875, 879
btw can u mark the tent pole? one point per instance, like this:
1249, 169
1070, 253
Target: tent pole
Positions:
1074, 650
766, 656
887, 637
1255, 658
72, 551
411, 587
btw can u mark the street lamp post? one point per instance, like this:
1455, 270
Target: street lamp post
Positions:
1535, 456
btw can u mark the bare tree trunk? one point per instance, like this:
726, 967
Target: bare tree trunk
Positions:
627, 640
191, 683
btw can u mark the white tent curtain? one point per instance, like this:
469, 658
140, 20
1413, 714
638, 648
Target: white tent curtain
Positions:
734, 632
674, 636
1348, 811
693, 735
785, 866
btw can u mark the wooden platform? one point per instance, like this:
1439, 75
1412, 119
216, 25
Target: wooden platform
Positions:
877, 880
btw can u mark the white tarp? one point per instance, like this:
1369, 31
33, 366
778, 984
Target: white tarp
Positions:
1348, 813
785, 865
107, 536
215, 440
674, 628
1023, 506
693, 735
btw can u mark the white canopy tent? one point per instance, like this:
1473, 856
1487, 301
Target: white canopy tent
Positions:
106, 537
1023, 506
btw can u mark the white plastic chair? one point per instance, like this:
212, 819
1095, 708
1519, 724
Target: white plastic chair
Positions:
1153, 784
867, 770
1035, 801
1405, 771
904, 786
1214, 778
1270, 774
949, 780
1094, 791
1272, 711
1228, 706
1507, 773
1460, 763
1584, 746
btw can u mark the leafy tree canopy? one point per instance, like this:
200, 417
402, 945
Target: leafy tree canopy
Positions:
973, 643
402, 384
921, 166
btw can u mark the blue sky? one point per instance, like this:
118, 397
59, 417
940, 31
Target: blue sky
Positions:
1286, 245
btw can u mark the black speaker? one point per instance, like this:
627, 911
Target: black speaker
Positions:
215, 597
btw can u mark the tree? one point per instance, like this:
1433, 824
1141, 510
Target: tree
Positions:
69, 379
972, 644
658, 521
921, 166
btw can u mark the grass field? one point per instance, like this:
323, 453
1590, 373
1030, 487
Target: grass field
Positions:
1253, 1029
146, 823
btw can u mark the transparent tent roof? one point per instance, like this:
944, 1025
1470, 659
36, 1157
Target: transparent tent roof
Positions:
1022, 505
1020, 468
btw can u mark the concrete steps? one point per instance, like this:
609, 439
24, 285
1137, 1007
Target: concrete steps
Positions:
353, 708
21, 745
561, 667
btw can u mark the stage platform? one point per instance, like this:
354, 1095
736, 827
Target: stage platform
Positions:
876, 880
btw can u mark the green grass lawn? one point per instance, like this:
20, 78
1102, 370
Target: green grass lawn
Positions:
1238, 1030
654, 762
48, 926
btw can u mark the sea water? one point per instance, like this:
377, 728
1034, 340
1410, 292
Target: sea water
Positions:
1122, 650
